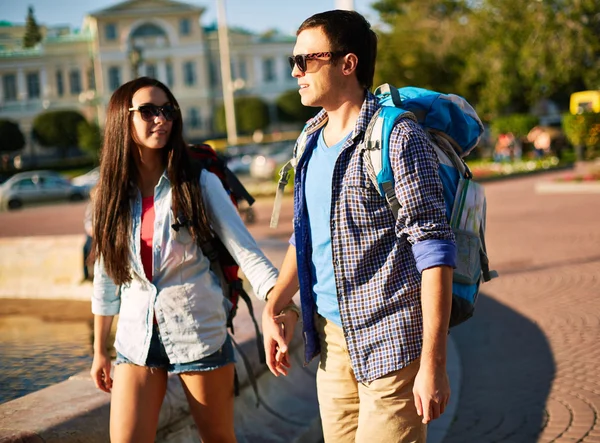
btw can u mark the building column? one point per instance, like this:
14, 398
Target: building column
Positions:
1, 90
44, 86
161, 70
21, 85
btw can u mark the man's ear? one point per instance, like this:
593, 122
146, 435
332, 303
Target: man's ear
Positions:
349, 63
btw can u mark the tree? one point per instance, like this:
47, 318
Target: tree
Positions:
57, 129
33, 34
291, 110
90, 137
11, 137
502, 55
251, 113
422, 43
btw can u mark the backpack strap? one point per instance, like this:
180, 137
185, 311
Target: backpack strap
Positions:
376, 149
284, 173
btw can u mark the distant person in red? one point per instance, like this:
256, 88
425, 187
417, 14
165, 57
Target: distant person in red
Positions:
152, 211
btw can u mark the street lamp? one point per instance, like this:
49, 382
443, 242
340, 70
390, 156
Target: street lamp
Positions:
228, 86
135, 59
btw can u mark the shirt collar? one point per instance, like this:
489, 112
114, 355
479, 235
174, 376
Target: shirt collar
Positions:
367, 110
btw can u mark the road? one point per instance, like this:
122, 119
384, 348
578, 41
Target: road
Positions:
530, 354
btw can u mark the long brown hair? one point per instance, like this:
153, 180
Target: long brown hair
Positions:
118, 182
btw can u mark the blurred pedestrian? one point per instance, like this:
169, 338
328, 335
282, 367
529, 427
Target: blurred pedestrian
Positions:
152, 211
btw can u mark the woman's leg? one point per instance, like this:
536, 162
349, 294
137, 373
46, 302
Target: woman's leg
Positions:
137, 395
210, 395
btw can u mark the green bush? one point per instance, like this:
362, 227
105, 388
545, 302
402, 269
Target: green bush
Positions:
251, 114
518, 124
89, 137
11, 137
57, 129
583, 131
291, 110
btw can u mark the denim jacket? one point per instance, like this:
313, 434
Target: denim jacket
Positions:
184, 295
377, 260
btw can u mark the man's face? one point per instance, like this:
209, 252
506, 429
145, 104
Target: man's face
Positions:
317, 84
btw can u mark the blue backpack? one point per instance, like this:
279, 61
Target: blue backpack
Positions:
454, 129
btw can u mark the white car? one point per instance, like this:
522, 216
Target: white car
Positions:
87, 180
36, 187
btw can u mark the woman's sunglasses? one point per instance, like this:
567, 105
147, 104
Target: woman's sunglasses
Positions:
300, 59
150, 112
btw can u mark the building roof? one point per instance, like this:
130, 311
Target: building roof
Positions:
149, 6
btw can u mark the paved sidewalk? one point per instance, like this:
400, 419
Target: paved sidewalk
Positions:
530, 355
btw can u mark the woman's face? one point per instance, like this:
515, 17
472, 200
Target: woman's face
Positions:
152, 117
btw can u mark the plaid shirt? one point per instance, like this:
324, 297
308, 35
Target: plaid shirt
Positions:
376, 260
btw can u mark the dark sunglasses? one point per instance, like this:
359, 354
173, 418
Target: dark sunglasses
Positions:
150, 112
300, 59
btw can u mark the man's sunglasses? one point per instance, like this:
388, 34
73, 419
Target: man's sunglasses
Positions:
300, 59
150, 112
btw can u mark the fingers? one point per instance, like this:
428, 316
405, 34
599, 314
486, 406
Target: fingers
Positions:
102, 379
429, 409
270, 353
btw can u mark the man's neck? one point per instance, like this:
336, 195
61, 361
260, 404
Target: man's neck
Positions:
342, 117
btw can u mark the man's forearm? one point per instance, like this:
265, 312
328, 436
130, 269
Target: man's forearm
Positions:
286, 286
436, 302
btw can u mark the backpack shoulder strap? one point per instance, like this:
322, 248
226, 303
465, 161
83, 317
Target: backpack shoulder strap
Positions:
377, 155
284, 173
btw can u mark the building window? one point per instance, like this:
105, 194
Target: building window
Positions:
33, 85
75, 81
194, 118
151, 70
184, 26
91, 79
268, 70
9, 83
189, 73
213, 75
170, 76
60, 87
243, 70
114, 77
111, 31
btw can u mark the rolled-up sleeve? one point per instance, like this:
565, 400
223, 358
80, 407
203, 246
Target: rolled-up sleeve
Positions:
106, 297
422, 216
231, 230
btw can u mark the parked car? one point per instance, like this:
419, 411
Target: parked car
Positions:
87, 180
38, 186
267, 162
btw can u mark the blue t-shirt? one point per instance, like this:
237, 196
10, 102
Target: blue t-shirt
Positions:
319, 175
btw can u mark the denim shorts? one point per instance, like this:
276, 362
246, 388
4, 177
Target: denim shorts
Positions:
158, 358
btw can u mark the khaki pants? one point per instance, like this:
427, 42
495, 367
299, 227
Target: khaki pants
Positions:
382, 411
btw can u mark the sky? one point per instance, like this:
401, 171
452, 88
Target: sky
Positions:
254, 15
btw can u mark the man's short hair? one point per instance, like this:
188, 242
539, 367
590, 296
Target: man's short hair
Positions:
348, 32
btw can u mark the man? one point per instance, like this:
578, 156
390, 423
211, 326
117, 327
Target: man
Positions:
376, 292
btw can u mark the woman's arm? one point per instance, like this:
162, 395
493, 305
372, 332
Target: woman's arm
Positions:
230, 229
100, 371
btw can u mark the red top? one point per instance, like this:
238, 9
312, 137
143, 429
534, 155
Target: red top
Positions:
147, 234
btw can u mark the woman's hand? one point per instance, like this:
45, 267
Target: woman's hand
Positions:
100, 371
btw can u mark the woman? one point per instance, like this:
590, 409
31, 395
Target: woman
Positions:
172, 313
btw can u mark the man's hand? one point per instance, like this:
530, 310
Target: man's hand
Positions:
431, 391
278, 331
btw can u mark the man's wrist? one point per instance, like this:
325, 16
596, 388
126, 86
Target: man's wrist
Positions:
291, 306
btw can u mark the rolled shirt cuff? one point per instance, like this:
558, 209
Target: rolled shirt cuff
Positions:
431, 253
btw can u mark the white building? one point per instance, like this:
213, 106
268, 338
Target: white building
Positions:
160, 38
